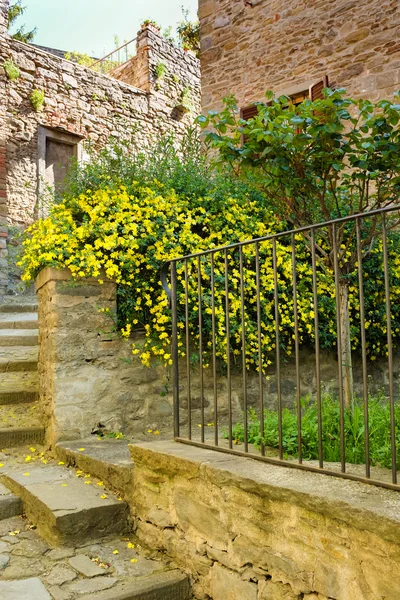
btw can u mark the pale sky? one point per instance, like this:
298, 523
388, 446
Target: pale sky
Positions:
89, 26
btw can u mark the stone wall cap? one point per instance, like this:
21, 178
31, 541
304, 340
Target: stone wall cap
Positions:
360, 505
52, 274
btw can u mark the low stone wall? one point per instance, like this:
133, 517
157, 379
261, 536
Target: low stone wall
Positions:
245, 530
87, 372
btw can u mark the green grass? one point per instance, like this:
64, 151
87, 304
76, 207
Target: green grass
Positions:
379, 431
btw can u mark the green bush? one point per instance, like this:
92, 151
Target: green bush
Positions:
379, 428
37, 100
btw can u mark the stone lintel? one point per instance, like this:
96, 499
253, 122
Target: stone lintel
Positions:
357, 505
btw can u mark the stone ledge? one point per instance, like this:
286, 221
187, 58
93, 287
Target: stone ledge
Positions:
358, 505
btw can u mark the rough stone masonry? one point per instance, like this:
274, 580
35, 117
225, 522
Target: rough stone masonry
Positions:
80, 104
250, 46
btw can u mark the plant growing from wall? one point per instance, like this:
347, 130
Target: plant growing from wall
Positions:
161, 70
37, 100
185, 103
11, 69
315, 162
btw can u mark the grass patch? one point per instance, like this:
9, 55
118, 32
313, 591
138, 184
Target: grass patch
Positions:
379, 431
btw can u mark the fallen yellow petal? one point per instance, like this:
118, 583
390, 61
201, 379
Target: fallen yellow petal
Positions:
103, 496
115, 552
100, 483
28, 458
26, 474
32, 449
130, 545
88, 482
149, 431
1, 465
157, 432
81, 449
61, 462
134, 560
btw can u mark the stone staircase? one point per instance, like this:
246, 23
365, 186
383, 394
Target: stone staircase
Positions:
19, 380
63, 534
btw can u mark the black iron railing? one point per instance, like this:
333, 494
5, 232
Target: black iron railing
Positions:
244, 312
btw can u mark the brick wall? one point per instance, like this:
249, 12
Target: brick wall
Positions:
249, 46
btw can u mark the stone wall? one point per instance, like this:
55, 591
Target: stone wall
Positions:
249, 46
85, 105
87, 372
246, 530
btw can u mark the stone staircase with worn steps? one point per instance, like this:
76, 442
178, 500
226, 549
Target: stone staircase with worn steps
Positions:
19, 380
83, 544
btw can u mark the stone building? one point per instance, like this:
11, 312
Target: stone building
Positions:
296, 47
79, 104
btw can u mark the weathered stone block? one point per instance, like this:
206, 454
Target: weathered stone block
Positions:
227, 585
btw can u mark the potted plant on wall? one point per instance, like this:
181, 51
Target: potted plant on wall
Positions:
150, 23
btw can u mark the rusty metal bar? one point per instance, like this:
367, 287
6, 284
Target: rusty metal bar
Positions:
317, 354
260, 358
228, 349
278, 351
244, 370
339, 348
363, 349
296, 349
214, 351
189, 395
390, 349
200, 300
174, 351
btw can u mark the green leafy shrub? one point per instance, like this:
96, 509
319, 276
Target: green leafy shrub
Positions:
37, 100
161, 70
379, 427
11, 70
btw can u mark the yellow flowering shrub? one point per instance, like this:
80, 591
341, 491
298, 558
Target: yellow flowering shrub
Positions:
129, 234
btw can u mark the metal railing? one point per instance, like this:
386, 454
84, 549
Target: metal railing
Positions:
117, 57
238, 310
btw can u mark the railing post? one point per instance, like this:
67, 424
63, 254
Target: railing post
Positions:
174, 350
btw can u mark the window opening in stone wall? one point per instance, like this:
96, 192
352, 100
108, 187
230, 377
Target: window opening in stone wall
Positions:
59, 157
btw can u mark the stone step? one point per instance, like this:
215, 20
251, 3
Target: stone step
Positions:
67, 509
107, 459
17, 387
11, 437
10, 505
18, 320
19, 337
171, 585
18, 358
22, 305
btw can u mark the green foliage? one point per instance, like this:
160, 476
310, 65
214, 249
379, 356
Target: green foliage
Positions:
189, 33
316, 161
147, 22
15, 11
81, 59
11, 70
161, 70
379, 427
37, 100
186, 100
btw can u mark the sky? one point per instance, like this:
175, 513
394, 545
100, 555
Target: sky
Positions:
89, 26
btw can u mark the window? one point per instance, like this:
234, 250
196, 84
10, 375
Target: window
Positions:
309, 90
